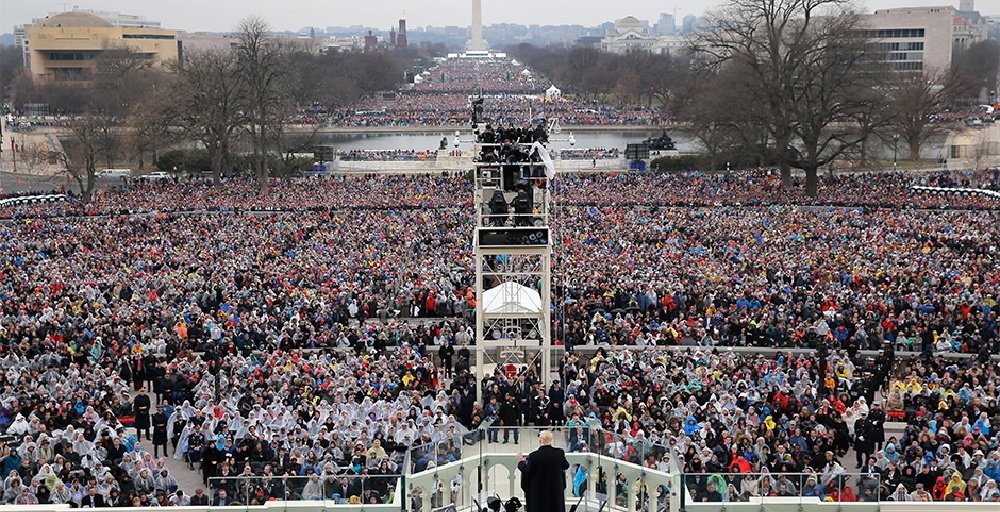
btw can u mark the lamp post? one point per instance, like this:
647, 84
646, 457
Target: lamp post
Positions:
895, 149
13, 152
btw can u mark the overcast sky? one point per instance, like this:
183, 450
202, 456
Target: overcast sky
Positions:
222, 15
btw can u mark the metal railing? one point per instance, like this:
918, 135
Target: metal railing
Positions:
619, 473
329, 488
810, 487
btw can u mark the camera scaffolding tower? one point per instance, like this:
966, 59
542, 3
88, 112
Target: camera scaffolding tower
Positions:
513, 255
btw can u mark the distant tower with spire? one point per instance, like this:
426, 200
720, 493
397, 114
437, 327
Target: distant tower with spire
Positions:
401, 35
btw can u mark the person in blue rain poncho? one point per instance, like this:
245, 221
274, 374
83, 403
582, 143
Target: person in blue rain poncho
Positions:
691, 426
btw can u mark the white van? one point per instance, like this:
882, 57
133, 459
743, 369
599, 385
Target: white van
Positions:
156, 175
115, 173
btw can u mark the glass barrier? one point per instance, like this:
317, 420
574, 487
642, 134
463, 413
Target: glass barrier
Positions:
331, 489
616, 470
833, 486
572, 438
472, 469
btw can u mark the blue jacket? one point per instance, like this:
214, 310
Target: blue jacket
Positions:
10, 463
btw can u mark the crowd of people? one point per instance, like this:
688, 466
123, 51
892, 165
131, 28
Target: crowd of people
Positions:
396, 155
757, 188
763, 187
793, 435
331, 340
447, 109
590, 154
442, 98
472, 76
972, 114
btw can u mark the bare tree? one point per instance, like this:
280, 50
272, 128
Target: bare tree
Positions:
147, 127
626, 89
262, 67
916, 101
34, 156
838, 85
124, 78
11, 67
83, 150
727, 131
206, 104
977, 68
659, 75
806, 65
985, 151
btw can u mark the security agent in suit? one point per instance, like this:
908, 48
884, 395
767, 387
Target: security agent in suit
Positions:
92, 499
543, 476
222, 499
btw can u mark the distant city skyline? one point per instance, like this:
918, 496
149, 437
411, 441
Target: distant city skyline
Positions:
293, 15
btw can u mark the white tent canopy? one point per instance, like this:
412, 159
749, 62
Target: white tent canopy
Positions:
511, 297
553, 93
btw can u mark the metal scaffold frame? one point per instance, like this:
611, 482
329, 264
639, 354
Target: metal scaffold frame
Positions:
513, 254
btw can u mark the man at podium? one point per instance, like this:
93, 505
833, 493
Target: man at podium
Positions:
543, 476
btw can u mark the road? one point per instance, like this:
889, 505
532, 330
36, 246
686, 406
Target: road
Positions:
11, 182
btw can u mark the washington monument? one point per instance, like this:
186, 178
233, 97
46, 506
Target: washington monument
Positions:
476, 42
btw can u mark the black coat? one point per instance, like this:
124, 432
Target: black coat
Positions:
877, 419
543, 475
140, 408
510, 414
98, 501
159, 428
863, 441
158, 375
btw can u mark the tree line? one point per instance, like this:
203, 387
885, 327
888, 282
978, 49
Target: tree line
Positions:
634, 78
798, 84
238, 102
795, 84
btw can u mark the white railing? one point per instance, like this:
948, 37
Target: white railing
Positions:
459, 483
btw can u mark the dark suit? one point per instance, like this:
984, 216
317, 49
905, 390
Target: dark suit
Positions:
543, 476
94, 501
284, 461
346, 491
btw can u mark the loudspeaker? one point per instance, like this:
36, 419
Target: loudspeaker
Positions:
513, 236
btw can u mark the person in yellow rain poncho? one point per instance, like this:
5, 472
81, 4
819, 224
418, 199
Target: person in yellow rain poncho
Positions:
907, 385
376, 451
842, 371
408, 379
956, 481
769, 423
